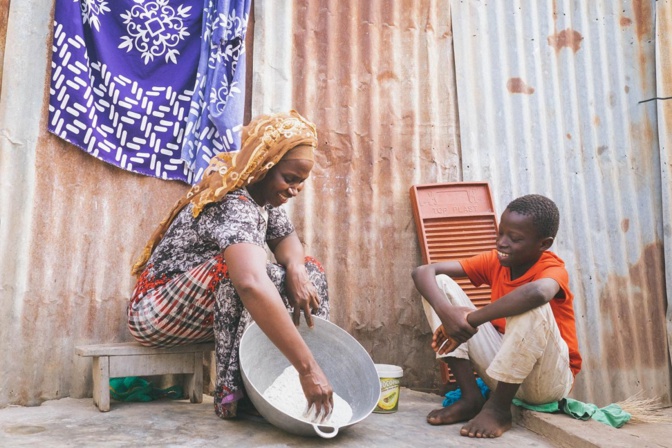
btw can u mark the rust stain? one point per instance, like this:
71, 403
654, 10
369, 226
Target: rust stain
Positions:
4, 18
517, 85
643, 19
644, 137
387, 75
626, 89
566, 38
626, 21
635, 306
664, 39
625, 225
644, 32
569, 136
596, 120
643, 132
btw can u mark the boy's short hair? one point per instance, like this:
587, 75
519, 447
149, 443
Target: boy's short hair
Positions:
545, 214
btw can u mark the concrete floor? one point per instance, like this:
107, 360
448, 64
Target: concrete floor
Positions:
76, 422
565, 431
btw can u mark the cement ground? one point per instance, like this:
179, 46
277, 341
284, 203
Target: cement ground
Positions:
76, 422
566, 432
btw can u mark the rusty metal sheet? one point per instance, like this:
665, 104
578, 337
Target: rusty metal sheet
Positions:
553, 99
377, 79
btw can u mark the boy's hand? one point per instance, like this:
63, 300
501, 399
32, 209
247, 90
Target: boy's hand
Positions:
442, 344
455, 323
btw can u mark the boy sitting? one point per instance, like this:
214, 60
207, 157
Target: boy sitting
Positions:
537, 358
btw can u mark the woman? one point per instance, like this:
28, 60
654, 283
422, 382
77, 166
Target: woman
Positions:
206, 267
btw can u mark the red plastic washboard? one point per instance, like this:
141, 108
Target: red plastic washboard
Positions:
455, 220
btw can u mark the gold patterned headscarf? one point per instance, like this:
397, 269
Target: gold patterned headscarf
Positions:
265, 141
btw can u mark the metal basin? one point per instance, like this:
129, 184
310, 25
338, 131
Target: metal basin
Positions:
346, 364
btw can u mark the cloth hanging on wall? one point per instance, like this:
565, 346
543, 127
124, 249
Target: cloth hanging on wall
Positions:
151, 86
218, 102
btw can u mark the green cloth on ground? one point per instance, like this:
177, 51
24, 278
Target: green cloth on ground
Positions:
133, 388
612, 415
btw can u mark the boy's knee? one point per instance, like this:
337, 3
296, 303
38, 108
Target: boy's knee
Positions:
446, 283
440, 278
533, 317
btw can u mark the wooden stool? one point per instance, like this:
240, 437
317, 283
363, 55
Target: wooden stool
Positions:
122, 359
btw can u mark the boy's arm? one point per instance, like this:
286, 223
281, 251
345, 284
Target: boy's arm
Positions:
518, 301
454, 318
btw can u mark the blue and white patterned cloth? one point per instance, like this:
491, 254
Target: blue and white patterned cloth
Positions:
155, 87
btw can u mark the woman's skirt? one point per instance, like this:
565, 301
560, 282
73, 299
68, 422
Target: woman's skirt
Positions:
202, 305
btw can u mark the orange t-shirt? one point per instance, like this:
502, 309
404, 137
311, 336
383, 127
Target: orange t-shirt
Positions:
486, 269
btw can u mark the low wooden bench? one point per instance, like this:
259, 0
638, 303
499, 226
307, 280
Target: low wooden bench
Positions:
132, 359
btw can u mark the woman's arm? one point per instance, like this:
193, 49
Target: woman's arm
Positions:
247, 269
301, 293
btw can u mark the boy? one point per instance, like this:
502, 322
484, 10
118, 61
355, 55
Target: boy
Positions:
537, 358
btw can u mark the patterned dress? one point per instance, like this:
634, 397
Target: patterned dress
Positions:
185, 294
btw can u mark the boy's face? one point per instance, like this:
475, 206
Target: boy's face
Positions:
519, 245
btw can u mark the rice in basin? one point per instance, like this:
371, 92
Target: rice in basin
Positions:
286, 394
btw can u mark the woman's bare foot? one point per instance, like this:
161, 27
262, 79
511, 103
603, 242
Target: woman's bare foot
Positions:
492, 421
460, 411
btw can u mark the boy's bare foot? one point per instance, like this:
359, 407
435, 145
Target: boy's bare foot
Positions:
492, 421
460, 411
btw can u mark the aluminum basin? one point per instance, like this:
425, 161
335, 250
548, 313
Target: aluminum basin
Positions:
346, 364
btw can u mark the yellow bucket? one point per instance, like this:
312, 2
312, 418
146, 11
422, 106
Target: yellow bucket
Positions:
390, 379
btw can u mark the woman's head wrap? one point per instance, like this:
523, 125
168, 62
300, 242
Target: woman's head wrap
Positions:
265, 140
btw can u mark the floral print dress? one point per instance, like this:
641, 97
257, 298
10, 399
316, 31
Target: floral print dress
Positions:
185, 295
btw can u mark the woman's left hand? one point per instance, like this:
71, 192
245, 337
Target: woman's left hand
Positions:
301, 294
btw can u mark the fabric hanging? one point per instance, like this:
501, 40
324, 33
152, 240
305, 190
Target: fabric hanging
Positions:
215, 119
150, 86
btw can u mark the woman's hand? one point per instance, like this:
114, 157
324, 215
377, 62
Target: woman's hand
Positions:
301, 293
319, 394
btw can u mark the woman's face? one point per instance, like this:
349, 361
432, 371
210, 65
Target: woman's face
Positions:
283, 182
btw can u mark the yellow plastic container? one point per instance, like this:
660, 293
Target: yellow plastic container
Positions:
390, 379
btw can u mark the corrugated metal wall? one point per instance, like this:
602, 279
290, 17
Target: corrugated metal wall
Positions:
549, 101
554, 98
377, 78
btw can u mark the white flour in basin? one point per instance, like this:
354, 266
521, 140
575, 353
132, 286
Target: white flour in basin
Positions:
286, 394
